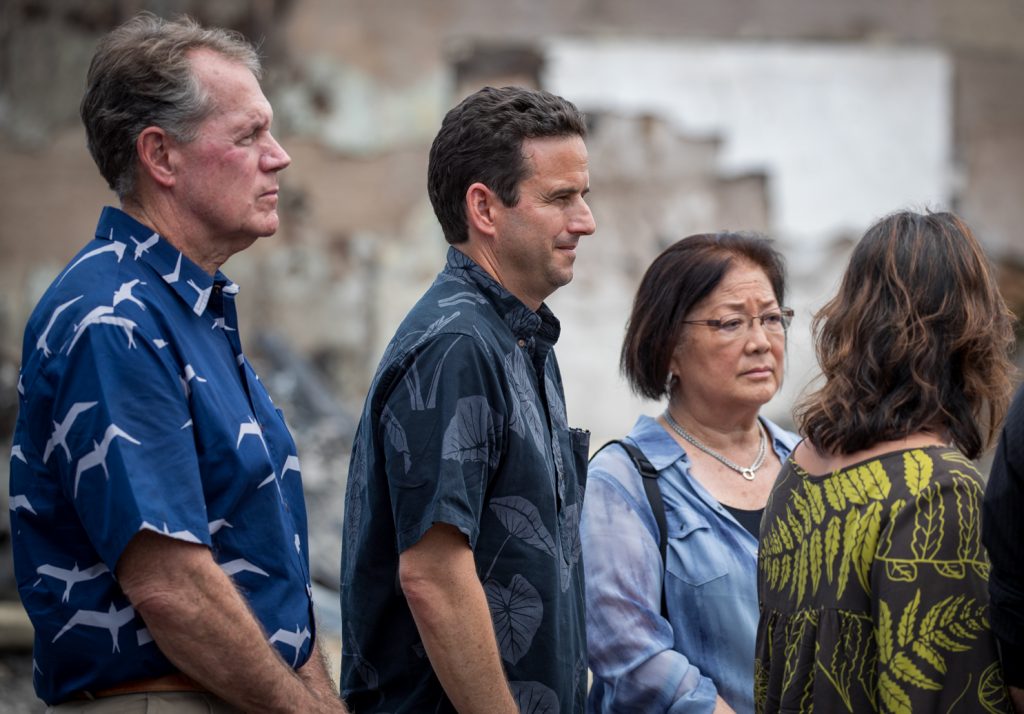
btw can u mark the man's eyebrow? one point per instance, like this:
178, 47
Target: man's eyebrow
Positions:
562, 191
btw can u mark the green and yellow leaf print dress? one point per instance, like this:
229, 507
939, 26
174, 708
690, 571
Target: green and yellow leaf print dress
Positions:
872, 584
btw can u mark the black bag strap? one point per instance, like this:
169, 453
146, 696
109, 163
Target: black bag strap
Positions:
649, 476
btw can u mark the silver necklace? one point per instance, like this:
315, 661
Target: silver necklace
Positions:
747, 473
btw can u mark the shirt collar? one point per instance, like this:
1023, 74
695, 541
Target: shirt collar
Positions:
523, 322
192, 284
662, 450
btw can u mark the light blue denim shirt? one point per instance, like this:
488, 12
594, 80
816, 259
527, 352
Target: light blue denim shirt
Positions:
640, 661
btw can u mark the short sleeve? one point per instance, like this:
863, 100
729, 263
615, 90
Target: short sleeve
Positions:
443, 429
130, 460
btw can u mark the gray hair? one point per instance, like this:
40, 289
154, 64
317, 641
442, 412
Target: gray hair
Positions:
141, 76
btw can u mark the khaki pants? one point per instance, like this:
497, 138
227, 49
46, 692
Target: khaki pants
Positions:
148, 703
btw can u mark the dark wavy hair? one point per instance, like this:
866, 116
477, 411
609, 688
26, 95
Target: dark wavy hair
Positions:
481, 139
680, 277
917, 338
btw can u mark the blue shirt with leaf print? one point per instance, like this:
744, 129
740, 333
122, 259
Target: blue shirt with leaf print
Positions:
465, 424
138, 411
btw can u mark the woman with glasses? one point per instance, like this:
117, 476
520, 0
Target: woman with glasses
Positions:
871, 575
672, 612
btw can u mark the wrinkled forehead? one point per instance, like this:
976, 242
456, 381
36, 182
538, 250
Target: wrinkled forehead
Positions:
745, 285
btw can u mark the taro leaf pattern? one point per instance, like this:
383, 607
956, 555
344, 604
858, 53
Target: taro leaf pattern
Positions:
433, 329
579, 675
516, 611
354, 502
556, 404
466, 296
534, 698
395, 435
560, 425
414, 387
367, 673
472, 432
525, 418
571, 545
522, 519
556, 453
892, 548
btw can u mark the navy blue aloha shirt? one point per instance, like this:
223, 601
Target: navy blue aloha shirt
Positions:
465, 424
138, 411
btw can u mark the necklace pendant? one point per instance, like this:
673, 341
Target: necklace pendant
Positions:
748, 474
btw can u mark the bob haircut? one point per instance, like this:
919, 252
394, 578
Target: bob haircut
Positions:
680, 277
917, 338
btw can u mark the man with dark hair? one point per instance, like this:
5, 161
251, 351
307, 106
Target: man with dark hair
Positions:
158, 522
462, 588
1002, 532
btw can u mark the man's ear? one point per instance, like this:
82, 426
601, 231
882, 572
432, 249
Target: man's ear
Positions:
482, 205
154, 147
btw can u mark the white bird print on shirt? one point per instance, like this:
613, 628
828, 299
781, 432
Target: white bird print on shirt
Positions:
21, 501
218, 323
60, 431
180, 535
41, 342
103, 315
113, 620
190, 374
217, 524
172, 277
290, 464
16, 453
292, 639
141, 248
112, 247
202, 299
272, 478
98, 456
73, 576
143, 637
251, 427
241, 565
125, 293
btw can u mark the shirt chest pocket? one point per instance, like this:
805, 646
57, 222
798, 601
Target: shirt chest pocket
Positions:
696, 554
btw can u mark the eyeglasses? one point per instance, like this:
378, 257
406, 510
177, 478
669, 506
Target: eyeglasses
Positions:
731, 325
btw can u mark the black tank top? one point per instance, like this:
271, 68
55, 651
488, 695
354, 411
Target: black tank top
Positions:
751, 520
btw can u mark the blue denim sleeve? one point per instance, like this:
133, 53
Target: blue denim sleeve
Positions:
630, 645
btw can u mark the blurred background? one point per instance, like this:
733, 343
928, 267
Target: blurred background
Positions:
802, 119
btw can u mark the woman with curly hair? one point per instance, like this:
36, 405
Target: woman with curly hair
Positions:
871, 574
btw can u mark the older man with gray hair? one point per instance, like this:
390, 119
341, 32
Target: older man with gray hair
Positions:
158, 522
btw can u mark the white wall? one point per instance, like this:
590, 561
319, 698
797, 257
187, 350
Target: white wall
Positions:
844, 133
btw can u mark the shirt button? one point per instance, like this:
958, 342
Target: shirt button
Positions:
522, 342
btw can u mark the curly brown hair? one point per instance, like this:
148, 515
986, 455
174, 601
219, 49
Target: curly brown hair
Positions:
918, 338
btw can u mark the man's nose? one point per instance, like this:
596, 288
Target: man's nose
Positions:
275, 158
583, 222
